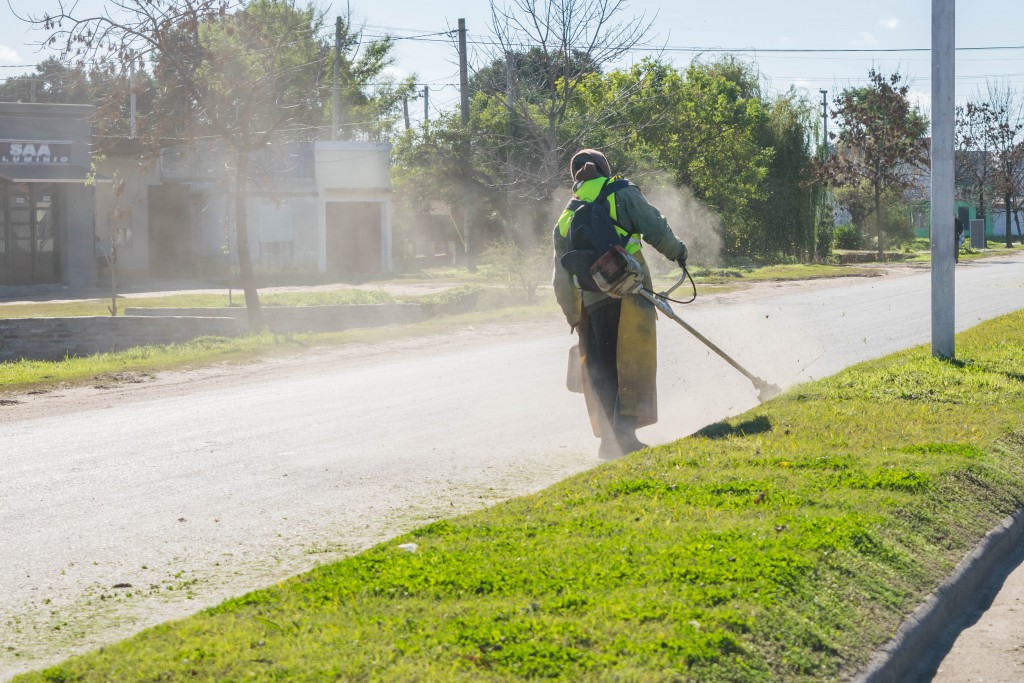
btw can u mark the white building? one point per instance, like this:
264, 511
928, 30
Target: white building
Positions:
312, 207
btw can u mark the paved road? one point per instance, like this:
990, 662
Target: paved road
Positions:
195, 487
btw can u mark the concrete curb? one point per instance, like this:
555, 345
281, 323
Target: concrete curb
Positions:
913, 650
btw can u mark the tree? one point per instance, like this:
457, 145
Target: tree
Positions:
701, 127
568, 40
973, 156
788, 216
52, 82
1004, 131
744, 159
370, 98
879, 142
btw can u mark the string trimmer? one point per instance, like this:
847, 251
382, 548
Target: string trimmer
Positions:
619, 274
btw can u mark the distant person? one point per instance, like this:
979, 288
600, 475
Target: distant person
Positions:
616, 335
959, 230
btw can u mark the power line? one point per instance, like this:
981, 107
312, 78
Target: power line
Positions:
691, 48
784, 50
419, 37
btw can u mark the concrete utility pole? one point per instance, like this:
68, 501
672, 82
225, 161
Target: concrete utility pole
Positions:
131, 97
510, 171
426, 105
467, 210
336, 87
824, 122
405, 110
943, 178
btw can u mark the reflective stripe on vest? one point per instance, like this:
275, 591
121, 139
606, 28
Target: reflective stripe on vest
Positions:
588, 192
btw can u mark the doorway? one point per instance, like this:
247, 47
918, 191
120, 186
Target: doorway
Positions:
170, 231
354, 240
29, 245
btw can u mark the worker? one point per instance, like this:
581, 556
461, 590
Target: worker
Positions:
617, 341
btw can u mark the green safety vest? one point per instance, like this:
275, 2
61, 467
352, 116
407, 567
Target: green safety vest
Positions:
587, 192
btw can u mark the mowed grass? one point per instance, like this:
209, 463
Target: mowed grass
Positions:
142, 360
783, 545
450, 313
796, 271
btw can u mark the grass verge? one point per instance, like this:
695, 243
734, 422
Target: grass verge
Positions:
16, 376
783, 545
796, 271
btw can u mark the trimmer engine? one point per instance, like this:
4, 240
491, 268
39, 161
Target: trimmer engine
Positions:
617, 273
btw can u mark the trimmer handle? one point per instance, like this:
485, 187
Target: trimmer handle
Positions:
681, 280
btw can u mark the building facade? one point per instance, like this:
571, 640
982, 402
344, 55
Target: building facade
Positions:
46, 197
312, 206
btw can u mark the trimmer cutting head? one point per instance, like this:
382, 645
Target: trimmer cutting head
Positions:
766, 391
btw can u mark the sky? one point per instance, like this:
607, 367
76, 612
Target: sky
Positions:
808, 45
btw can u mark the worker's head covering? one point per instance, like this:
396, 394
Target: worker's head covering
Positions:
588, 164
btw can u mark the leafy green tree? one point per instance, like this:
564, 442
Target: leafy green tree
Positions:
787, 218
707, 128
722, 160
880, 142
52, 82
700, 126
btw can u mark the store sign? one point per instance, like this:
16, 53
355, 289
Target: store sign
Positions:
35, 152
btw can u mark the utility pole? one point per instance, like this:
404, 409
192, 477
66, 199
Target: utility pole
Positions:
131, 98
405, 110
467, 210
336, 87
463, 73
510, 97
943, 179
824, 122
426, 105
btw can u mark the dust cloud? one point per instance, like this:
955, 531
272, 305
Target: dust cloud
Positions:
693, 221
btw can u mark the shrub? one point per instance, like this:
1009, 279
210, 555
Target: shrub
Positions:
520, 269
847, 237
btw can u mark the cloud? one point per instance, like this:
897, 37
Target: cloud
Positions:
890, 23
9, 56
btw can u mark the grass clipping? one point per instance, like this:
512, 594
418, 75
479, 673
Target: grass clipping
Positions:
783, 545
